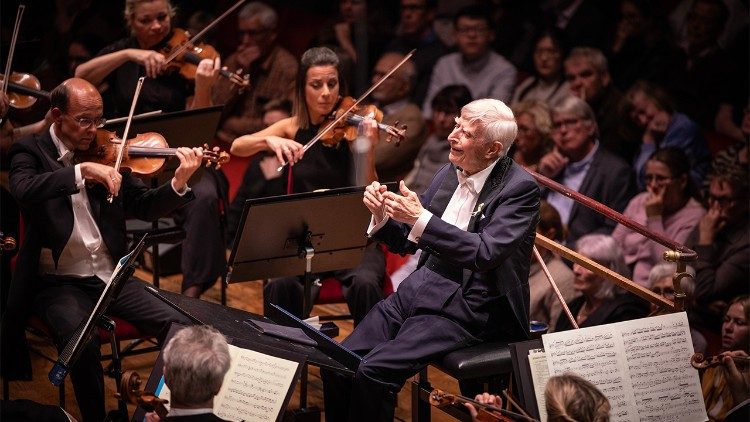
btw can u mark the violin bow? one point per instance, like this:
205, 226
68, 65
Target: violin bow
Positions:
11, 50
343, 115
121, 152
184, 46
555, 288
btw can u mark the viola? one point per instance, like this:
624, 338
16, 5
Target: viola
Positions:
23, 89
485, 412
702, 362
346, 129
145, 154
184, 56
131, 392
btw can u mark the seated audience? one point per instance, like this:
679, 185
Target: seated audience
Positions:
392, 97
662, 126
668, 207
600, 301
547, 83
722, 241
544, 304
660, 282
486, 73
720, 392
534, 138
579, 162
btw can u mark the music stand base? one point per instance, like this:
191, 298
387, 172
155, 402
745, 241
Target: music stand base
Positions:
307, 414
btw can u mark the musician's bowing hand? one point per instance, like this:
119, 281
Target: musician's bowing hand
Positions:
484, 398
404, 208
373, 200
286, 150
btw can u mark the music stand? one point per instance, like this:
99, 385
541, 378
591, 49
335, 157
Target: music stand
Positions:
281, 235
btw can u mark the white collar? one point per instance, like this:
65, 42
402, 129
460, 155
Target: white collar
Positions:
64, 152
476, 181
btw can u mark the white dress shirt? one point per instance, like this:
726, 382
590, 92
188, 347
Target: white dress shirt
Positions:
85, 254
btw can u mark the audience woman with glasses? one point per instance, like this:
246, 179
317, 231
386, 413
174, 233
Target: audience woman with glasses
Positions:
651, 109
548, 82
667, 207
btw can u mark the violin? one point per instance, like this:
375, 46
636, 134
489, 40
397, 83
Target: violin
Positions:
485, 412
7, 243
131, 392
145, 154
701, 362
346, 129
184, 56
23, 89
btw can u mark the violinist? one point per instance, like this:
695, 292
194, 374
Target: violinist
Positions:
271, 68
117, 67
74, 236
317, 92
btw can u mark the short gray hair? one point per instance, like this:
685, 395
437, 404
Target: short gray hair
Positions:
577, 107
195, 362
667, 269
593, 56
265, 13
495, 121
603, 249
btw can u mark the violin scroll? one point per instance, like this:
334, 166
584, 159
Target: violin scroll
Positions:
131, 392
699, 361
7, 243
217, 158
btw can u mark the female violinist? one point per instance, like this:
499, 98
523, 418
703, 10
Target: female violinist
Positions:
117, 68
317, 92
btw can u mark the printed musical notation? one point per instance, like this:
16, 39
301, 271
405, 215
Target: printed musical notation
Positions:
642, 366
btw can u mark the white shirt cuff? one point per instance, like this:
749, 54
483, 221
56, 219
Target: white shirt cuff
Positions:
80, 183
373, 228
185, 190
419, 226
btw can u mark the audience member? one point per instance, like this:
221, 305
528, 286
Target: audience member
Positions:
735, 155
667, 207
317, 91
651, 109
642, 46
720, 392
73, 238
585, 23
415, 32
722, 241
600, 301
534, 138
486, 73
547, 83
569, 397
580, 163
195, 362
393, 98
446, 108
544, 305
271, 69
660, 282
588, 77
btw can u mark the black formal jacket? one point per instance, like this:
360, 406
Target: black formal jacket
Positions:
42, 187
622, 307
203, 417
494, 254
610, 181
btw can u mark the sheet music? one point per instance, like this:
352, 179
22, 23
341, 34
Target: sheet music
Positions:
539, 376
642, 366
254, 388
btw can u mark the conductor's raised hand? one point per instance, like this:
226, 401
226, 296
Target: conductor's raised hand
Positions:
404, 208
373, 200
190, 160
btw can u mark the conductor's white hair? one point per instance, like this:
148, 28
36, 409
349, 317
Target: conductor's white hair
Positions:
494, 120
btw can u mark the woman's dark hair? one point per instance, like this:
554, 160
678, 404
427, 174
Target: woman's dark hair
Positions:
559, 39
451, 98
678, 163
549, 218
317, 56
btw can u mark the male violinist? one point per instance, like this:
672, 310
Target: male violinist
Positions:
475, 225
74, 236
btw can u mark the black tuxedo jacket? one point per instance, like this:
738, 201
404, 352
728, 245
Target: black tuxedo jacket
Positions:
42, 186
494, 253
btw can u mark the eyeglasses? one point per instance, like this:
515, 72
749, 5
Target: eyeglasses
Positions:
656, 178
472, 30
86, 122
721, 200
252, 32
566, 123
667, 292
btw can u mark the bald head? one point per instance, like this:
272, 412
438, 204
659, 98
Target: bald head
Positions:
74, 90
77, 109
